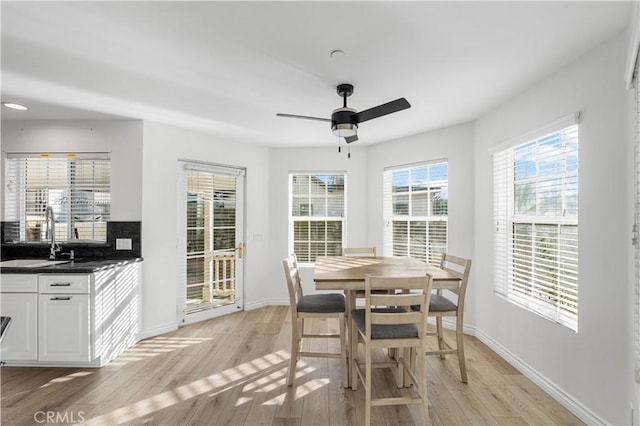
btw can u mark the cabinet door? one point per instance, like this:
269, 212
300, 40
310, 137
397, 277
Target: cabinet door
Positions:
21, 339
64, 333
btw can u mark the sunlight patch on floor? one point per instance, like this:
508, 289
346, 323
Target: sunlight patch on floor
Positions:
155, 346
66, 378
243, 400
210, 386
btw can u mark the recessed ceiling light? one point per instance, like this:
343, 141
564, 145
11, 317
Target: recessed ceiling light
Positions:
15, 106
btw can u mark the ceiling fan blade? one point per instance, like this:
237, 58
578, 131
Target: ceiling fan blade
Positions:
303, 116
350, 139
384, 109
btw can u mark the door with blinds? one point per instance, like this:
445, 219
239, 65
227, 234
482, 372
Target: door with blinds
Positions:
211, 247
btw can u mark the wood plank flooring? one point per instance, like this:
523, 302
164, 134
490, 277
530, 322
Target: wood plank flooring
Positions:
231, 371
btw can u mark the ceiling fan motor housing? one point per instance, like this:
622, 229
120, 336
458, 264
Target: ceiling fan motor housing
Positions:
344, 116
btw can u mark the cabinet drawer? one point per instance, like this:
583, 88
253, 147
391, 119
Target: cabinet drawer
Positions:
72, 283
19, 283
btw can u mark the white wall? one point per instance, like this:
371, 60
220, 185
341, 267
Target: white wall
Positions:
122, 139
284, 160
633, 39
163, 146
593, 365
456, 145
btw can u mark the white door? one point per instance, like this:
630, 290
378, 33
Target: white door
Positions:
211, 248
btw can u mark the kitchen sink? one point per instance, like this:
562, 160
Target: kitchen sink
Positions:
30, 263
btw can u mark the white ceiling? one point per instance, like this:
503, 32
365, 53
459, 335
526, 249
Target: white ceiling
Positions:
229, 67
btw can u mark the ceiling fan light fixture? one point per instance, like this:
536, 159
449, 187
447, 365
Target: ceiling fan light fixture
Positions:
344, 130
13, 105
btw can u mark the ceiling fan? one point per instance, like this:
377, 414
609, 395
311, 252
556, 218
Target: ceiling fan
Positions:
344, 121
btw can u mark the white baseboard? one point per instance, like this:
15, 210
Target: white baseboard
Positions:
264, 303
156, 331
563, 398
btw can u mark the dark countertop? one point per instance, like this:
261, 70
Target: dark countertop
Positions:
78, 266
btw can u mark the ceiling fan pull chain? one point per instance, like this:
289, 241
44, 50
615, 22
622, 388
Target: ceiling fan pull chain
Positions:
339, 150
349, 152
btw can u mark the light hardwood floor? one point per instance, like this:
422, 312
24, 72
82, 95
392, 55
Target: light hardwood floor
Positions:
231, 371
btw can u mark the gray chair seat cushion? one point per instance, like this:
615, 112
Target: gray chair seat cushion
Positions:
384, 331
439, 303
322, 303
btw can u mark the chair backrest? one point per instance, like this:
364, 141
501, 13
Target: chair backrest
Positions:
359, 251
460, 267
292, 275
406, 292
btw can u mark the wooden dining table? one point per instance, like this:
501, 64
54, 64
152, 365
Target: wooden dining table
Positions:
347, 274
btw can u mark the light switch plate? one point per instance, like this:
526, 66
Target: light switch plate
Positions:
123, 243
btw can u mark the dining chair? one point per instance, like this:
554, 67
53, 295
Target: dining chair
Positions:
388, 321
359, 251
441, 306
323, 306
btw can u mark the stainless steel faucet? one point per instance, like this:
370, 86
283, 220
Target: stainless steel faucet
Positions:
51, 231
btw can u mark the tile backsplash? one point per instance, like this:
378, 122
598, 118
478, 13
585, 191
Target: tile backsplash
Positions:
115, 230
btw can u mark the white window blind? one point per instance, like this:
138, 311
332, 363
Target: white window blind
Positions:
415, 205
317, 212
76, 186
536, 224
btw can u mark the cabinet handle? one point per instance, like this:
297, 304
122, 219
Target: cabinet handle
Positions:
61, 298
60, 285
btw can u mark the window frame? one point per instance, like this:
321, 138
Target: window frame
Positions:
510, 248
310, 217
390, 217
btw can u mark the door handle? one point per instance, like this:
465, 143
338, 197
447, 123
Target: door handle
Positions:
240, 250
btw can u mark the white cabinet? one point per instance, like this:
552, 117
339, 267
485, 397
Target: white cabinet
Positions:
19, 300
75, 319
64, 315
21, 339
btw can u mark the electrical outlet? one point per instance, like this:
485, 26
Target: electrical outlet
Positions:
123, 243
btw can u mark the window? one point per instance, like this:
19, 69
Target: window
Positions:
317, 211
416, 205
536, 222
76, 186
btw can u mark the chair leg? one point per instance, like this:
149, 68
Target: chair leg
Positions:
440, 335
353, 356
343, 351
367, 386
460, 349
421, 371
399, 370
295, 348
